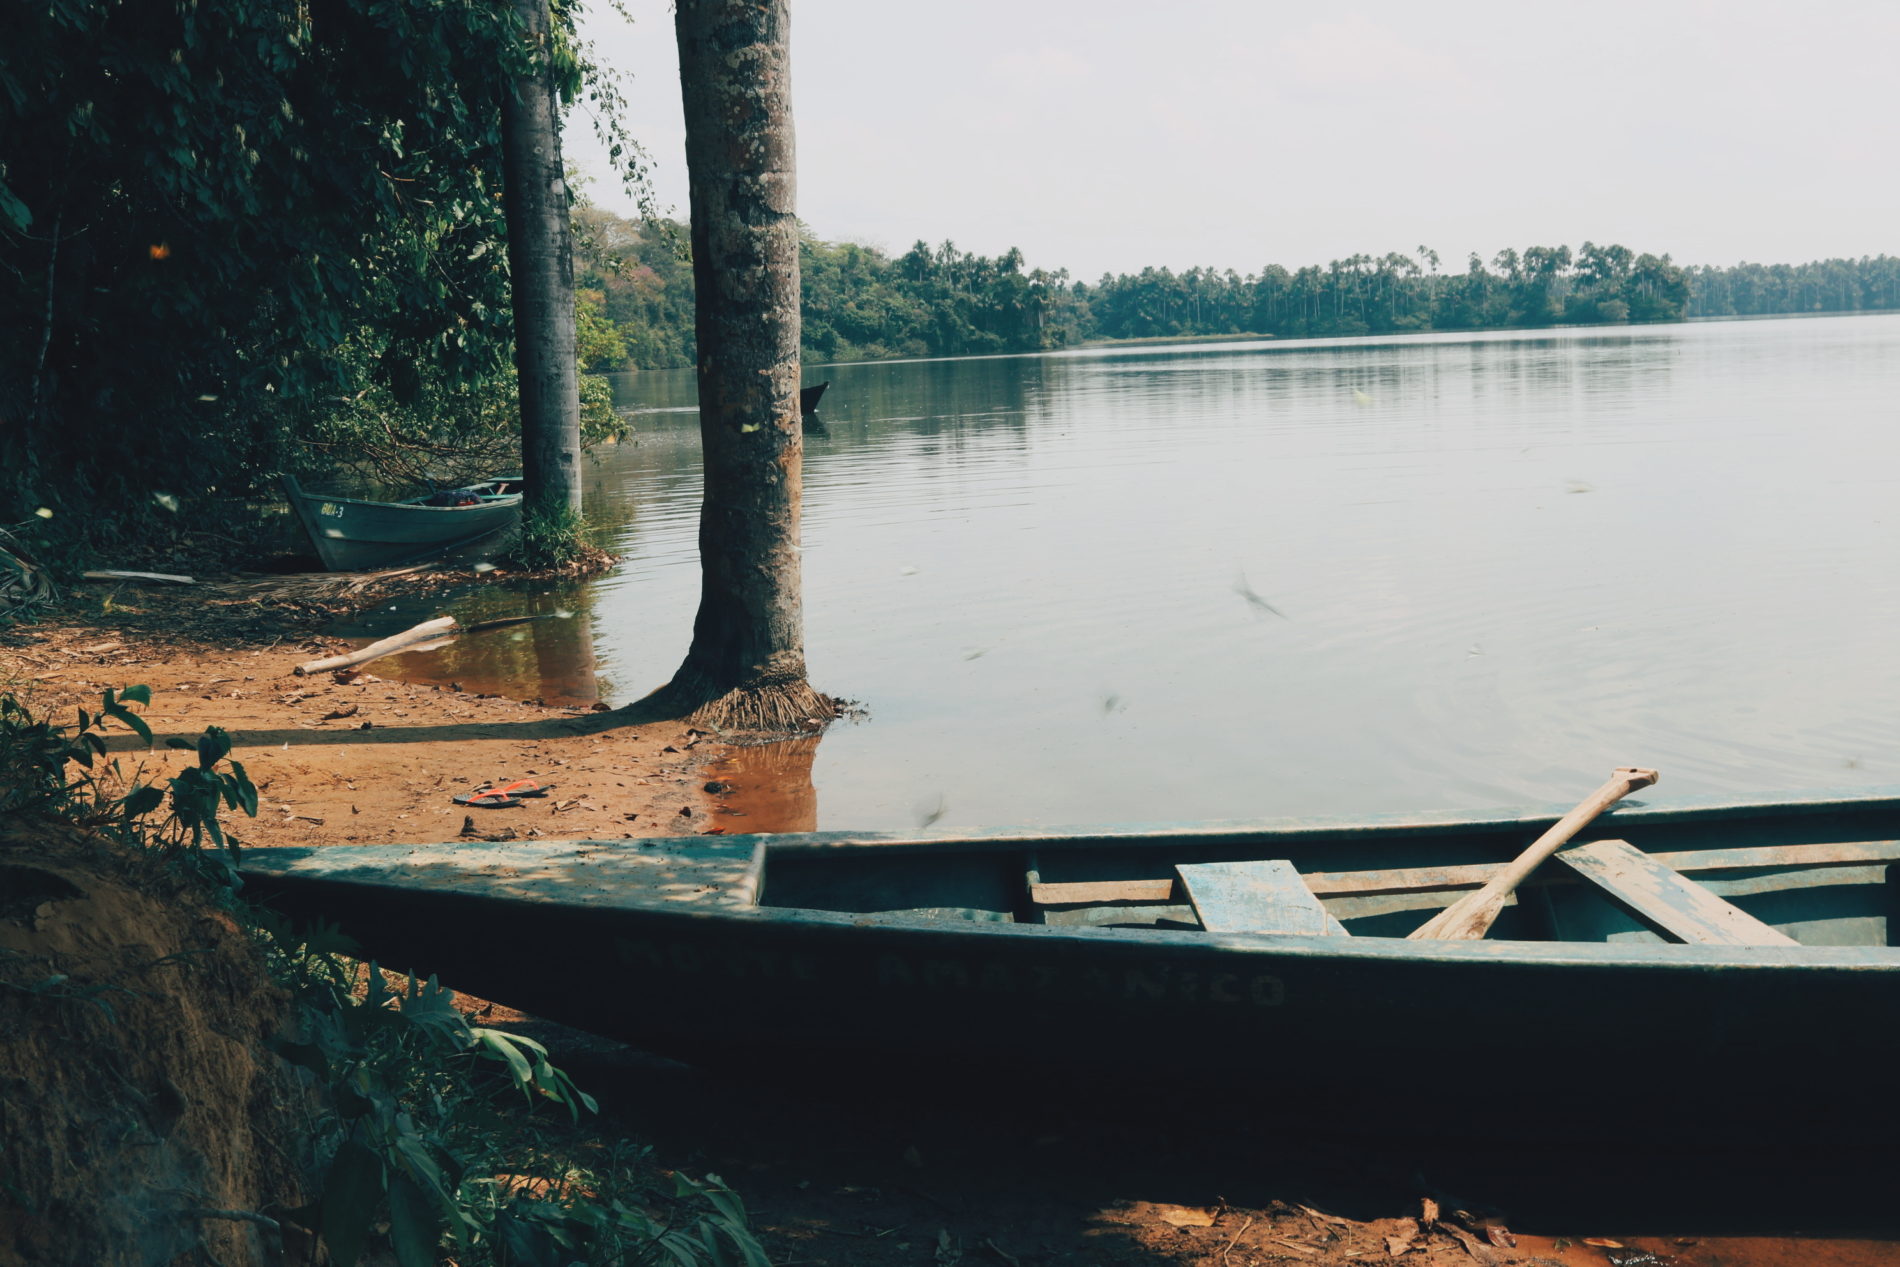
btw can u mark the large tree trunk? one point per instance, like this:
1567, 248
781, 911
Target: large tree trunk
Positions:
746, 667
541, 269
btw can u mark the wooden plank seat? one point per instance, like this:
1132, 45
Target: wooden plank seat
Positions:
1077, 892
1665, 899
1692, 861
1102, 903
1262, 896
1068, 895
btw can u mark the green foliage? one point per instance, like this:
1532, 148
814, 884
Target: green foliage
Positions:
599, 345
550, 537
857, 302
402, 430
200, 792
217, 197
422, 1148
442, 436
416, 1141
601, 423
241, 236
36, 776
35, 754
861, 304
645, 281
1868, 284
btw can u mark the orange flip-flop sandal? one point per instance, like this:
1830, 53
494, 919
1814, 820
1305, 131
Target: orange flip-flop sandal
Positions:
522, 787
487, 798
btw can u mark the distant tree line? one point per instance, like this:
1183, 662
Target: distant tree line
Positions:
861, 303
1747, 290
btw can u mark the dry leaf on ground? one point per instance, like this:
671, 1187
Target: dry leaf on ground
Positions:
1330, 1218
1473, 1246
1187, 1216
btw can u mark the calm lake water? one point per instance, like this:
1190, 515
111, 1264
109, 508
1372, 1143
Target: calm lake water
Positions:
1246, 579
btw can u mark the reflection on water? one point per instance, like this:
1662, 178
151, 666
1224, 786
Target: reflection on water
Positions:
551, 658
771, 787
1501, 565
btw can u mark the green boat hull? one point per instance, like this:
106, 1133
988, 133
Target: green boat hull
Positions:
857, 956
354, 534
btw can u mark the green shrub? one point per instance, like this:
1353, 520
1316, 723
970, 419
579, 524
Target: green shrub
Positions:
429, 1141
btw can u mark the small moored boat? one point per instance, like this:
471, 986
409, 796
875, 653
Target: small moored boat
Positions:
1700, 958
353, 533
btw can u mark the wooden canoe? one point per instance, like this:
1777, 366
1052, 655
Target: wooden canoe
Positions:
1150, 951
353, 533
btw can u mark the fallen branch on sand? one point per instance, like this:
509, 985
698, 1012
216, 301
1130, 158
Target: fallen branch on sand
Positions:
427, 631
427, 635
113, 574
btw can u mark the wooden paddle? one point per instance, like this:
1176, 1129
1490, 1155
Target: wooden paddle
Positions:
1470, 916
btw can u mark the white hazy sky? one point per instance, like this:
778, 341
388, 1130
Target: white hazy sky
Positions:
1102, 135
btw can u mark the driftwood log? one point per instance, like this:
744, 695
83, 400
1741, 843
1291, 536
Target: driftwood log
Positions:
428, 633
113, 574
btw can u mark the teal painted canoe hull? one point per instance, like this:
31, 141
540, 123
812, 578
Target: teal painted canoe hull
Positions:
862, 954
353, 534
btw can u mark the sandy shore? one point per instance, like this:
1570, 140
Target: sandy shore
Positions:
352, 758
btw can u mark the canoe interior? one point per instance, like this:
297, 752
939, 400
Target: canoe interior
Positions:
1831, 878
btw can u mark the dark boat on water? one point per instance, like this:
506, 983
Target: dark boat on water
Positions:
1720, 962
808, 397
354, 533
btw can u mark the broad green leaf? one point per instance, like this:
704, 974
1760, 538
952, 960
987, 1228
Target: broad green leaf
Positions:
415, 1223
141, 800
246, 791
499, 1046
351, 1193
13, 210
304, 1055
131, 719
213, 746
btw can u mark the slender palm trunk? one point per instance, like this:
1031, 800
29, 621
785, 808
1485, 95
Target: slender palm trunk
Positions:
541, 268
746, 666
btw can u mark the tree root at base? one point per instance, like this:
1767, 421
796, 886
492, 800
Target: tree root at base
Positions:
762, 708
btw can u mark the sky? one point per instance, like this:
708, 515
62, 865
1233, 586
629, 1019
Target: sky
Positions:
1107, 136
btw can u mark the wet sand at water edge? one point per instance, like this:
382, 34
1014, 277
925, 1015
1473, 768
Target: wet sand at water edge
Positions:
357, 757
